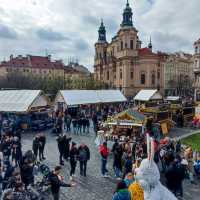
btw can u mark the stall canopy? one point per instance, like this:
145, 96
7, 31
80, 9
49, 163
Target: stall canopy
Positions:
21, 100
147, 95
83, 97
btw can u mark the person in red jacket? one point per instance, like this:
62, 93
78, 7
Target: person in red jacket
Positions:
104, 152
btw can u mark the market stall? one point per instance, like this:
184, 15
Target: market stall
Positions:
148, 98
127, 124
28, 108
70, 98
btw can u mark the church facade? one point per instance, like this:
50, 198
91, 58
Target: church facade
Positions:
123, 64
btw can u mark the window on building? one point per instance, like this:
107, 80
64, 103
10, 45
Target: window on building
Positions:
121, 75
196, 49
158, 74
120, 87
126, 45
131, 75
142, 78
153, 79
24, 70
131, 44
108, 75
122, 45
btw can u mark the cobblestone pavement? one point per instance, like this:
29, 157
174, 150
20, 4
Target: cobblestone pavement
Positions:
93, 187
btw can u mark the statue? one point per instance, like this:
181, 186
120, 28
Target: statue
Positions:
148, 176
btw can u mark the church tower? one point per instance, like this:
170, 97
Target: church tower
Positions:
100, 51
127, 16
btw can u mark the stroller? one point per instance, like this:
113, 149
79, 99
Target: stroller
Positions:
197, 168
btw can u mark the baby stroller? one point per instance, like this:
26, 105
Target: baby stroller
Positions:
197, 168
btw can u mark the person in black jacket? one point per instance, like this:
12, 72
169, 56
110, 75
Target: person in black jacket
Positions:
56, 182
73, 154
67, 147
84, 156
42, 140
61, 140
36, 145
117, 158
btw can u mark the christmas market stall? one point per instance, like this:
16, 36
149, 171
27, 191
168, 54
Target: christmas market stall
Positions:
127, 124
148, 98
26, 109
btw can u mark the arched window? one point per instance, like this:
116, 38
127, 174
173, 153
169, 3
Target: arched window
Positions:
142, 78
122, 45
153, 79
196, 49
131, 44
121, 74
107, 75
132, 75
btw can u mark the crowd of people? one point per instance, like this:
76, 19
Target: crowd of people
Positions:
174, 163
18, 169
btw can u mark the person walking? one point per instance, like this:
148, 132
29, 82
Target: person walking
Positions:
42, 140
104, 152
73, 154
117, 159
56, 182
87, 125
67, 147
68, 121
61, 147
36, 145
84, 157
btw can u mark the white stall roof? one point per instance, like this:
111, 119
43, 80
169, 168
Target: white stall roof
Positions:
20, 100
146, 95
107, 96
81, 97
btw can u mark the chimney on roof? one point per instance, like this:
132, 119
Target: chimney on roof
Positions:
49, 57
11, 56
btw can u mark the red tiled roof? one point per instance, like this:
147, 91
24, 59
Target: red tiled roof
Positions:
146, 51
33, 62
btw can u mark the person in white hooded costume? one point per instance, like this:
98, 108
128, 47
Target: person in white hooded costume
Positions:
148, 176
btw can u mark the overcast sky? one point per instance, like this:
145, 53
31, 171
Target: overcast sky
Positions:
67, 28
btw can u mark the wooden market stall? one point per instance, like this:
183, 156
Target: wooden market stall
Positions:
148, 98
127, 124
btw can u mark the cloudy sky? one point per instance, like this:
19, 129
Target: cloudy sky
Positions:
68, 28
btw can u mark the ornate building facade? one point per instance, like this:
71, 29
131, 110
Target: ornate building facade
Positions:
197, 69
178, 74
123, 63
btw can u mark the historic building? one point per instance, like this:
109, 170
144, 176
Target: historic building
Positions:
123, 63
178, 74
42, 66
197, 69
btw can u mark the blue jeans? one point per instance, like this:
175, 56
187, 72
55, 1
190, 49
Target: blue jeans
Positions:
103, 166
117, 171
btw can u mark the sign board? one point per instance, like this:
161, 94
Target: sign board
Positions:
164, 128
